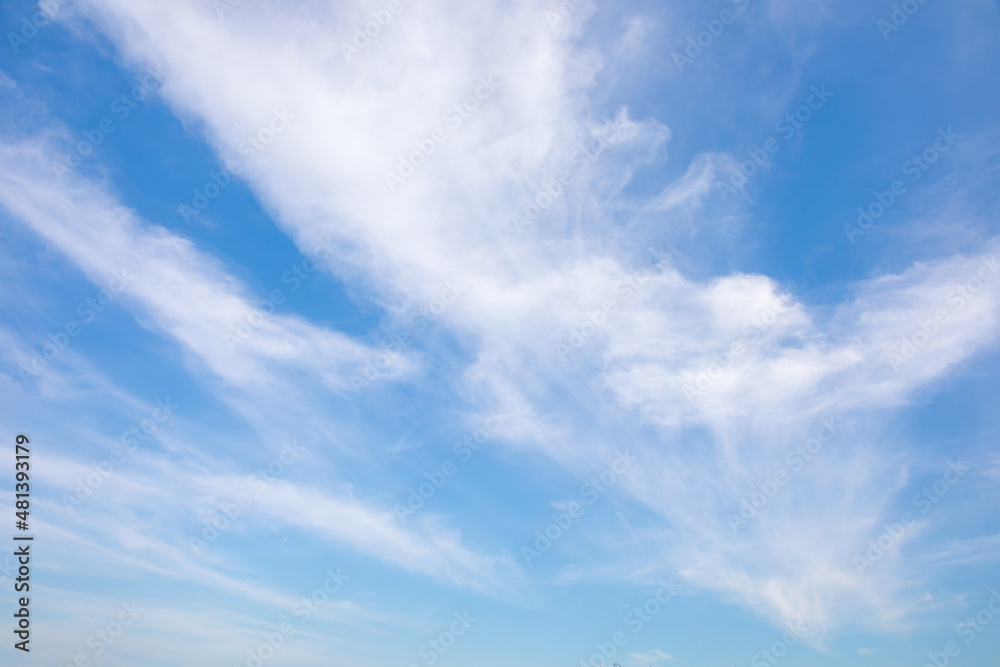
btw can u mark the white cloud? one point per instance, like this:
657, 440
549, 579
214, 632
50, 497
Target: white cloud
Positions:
649, 657
528, 291
177, 289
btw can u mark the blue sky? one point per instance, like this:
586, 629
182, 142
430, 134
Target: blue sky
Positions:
510, 331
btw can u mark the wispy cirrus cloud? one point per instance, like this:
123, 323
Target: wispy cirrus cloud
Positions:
527, 291
621, 315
